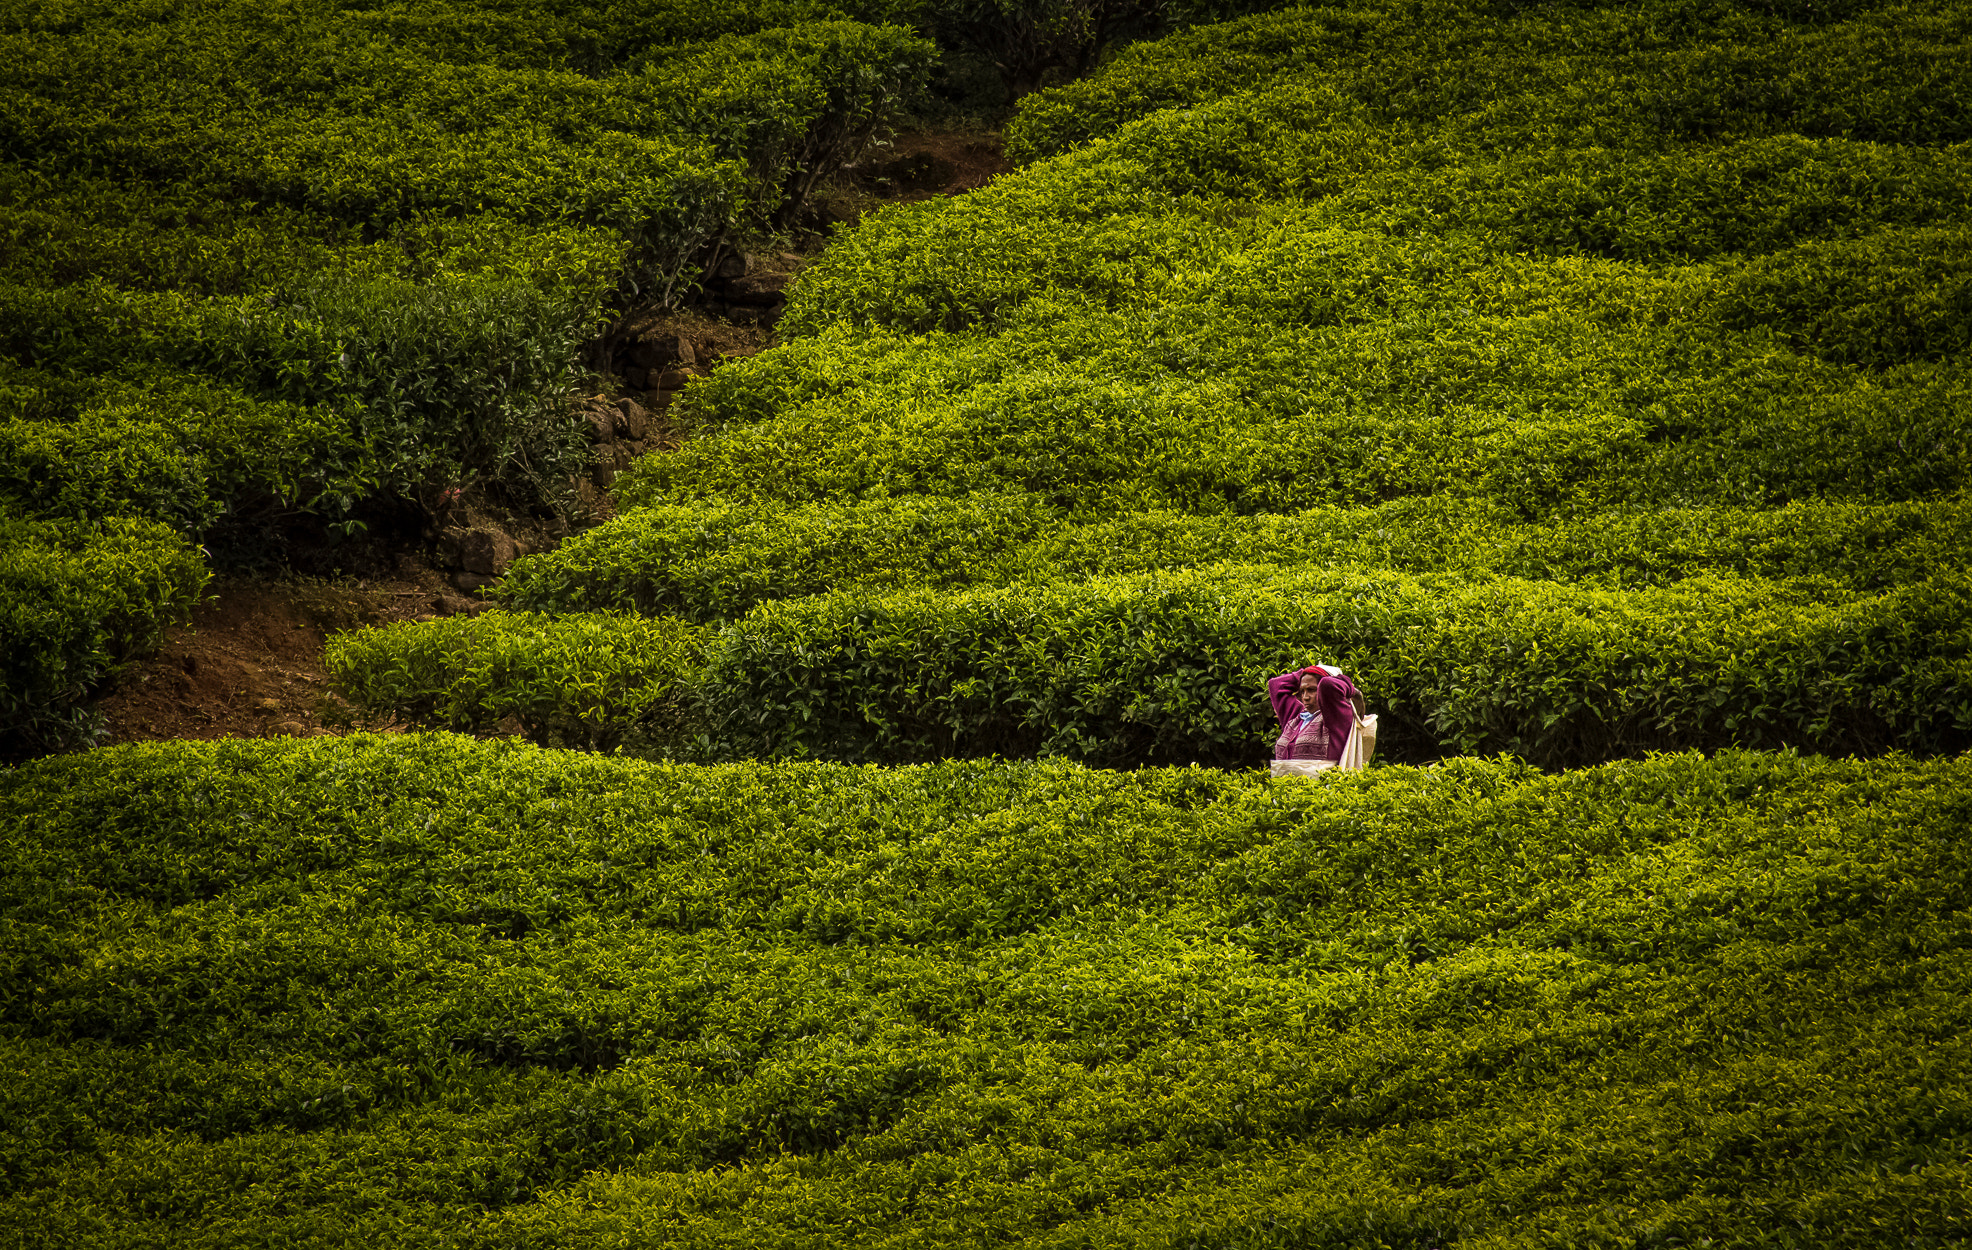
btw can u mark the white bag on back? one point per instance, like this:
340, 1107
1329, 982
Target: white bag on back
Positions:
1356, 752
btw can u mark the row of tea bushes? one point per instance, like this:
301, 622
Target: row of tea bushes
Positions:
1324, 366
307, 265
1169, 667
423, 243
420, 990
586, 679
1376, 281
176, 447
669, 153
715, 561
77, 600
1589, 76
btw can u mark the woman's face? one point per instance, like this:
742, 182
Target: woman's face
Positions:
1309, 684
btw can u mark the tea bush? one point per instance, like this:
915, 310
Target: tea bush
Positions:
1545, 413
1618, 75
310, 258
1564, 270
585, 679
424, 990
713, 561
77, 600
1170, 667
427, 240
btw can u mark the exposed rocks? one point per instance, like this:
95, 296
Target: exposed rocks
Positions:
452, 605
475, 554
761, 289
659, 351
631, 420
749, 288
486, 551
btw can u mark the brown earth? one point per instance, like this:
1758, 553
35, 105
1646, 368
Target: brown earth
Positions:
927, 163
249, 664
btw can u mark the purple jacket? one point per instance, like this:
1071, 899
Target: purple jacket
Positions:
1317, 733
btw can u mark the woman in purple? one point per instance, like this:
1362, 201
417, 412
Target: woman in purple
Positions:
1315, 707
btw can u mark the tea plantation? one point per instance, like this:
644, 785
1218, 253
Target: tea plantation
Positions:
437, 991
886, 856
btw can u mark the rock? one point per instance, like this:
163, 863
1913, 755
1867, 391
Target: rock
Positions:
601, 422
447, 553
486, 551
630, 419
509, 726
672, 379
636, 447
662, 351
268, 705
634, 376
588, 499
470, 582
761, 288
738, 265
603, 474
293, 728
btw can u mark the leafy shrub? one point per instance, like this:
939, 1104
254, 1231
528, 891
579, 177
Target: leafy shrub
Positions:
830, 85
351, 381
1171, 667
174, 447
708, 563
78, 599
422, 244
1191, 67
1547, 410
1548, 75
713, 561
1879, 301
586, 679
420, 988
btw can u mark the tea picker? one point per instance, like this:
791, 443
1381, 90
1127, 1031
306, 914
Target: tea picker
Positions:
1324, 722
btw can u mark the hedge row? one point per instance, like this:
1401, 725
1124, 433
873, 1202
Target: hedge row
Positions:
1319, 294
1170, 667
77, 600
1544, 416
426, 991
264, 262
334, 120
714, 561
1141, 358
588, 679
326, 217
1604, 75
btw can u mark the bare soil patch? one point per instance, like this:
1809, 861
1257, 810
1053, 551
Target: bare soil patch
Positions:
249, 665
